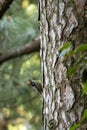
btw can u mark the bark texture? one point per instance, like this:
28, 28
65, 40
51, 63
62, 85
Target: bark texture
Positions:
61, 21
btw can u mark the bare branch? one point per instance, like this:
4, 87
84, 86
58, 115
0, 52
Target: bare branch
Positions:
4, 5
27, 49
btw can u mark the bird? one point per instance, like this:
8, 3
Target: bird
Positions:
37, 85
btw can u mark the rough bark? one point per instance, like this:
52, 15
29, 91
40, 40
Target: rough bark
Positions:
4, 5
25, 50
61, 21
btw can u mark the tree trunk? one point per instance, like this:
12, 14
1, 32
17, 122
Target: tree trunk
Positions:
61, 21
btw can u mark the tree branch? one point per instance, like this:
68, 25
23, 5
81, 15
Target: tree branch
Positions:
27, 49
4, 5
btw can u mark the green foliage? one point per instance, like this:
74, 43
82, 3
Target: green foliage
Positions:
80, 63
84, 88
67, 52
74, 127
72, 70
65, 46
81, 48
19, 26
68, 45
21, 31
84, 116
14, 91
16, 30
65, 49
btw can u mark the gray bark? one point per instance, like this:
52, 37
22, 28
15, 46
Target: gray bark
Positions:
61, 21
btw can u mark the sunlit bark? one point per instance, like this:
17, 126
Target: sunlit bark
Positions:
61, 21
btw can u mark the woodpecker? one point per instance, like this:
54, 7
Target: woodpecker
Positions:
36, 85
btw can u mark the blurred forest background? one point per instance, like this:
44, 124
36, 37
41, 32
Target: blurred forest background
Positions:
20, 106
